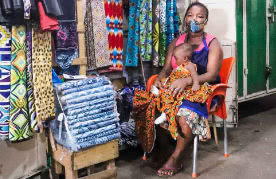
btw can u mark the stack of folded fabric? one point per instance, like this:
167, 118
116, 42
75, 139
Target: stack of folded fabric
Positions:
89, 114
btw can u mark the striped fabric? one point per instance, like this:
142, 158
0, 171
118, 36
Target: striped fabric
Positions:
5, 63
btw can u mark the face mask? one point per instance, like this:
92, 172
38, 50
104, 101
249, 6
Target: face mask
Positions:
196, 26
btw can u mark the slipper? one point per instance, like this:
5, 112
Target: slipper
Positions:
168, 172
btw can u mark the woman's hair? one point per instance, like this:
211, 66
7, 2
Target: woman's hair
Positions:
200, 5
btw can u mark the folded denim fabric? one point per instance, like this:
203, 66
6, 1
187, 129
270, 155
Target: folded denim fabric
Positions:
100, 135
95, 116
86, 92
65, 58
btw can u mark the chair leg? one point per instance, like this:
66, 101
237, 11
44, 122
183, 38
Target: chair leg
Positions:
215, 129
225, 140
194, 174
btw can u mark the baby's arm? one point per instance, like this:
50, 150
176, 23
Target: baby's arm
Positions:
191, 67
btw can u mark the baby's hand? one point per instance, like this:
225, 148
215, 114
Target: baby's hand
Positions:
195, 87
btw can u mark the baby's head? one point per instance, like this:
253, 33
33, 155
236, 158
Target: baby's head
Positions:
183, 53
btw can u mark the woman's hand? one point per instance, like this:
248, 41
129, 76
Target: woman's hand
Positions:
158, 83
179, 85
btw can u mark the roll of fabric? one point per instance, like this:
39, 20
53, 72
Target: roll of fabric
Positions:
42, 74
67, 37
101, 35
65, 58
145, 24
30, 87
27, 9
155, 34
114, 21
163, 30
5, 67
19, 128
7, 7
132, 54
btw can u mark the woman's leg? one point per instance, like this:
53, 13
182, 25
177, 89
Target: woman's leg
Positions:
175, 160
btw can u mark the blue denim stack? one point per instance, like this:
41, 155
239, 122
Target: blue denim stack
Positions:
90, 112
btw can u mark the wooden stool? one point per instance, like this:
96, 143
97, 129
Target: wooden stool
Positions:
73, 161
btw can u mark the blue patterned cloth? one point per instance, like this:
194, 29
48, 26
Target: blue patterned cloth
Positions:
90, 111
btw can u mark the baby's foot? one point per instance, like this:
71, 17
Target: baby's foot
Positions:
160, 119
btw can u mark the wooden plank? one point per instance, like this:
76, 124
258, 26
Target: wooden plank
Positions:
62, 155
70, 174
82, 70
95, 155
58, 168
82, 52
80, 28
106, 174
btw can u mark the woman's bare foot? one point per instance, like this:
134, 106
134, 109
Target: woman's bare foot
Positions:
171, 167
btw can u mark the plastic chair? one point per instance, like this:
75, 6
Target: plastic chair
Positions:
219, 110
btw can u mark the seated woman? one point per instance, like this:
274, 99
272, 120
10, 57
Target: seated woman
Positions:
207, 55
196, 93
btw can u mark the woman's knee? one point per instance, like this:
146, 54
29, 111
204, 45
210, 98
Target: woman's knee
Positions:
185, 128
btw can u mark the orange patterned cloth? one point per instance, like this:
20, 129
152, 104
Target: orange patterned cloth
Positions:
168, 104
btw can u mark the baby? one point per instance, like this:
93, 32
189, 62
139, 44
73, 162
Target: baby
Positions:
182, 68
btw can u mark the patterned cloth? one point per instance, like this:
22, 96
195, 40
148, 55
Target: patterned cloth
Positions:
30, 86
145, 24
114, 21
169, 105
42, 74
27, 9
67, 36
162, 33
19, 125
46, 22
65, 58
89, 37
132, 55
98, 34
155, 34
5, 66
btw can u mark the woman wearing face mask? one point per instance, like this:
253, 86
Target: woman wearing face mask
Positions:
207, 55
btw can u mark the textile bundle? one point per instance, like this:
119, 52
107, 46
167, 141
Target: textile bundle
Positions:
90, 114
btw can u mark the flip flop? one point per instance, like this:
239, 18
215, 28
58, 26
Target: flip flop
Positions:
169, 171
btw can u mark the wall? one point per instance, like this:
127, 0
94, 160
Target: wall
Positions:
21, 159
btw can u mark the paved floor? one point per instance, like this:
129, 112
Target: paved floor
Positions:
252, 148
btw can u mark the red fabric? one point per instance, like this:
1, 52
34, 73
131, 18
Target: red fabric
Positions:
46, 22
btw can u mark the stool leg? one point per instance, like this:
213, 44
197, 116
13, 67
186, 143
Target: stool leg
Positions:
225, 140
194, 174
215, 129
70, 173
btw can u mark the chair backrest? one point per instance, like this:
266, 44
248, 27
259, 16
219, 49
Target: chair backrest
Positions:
226, 69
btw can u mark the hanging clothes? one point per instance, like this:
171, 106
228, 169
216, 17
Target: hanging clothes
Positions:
5, 67
145, 24
114, 21
69, 11
172, 21
67, 36
132, 54
52, 7
30, 86
19, 128
163, 30
42, 74
46, 22
155, 34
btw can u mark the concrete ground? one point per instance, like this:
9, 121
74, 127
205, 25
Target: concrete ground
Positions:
252, 148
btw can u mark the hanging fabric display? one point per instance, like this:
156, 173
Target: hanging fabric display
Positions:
162, 36
145, 23
31, 105
42, 74
67, 36
155, 34
176, 19
19, 128
69, 11
172, 21
114, 21
89, 41
101, 36
132, 54
5, 65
